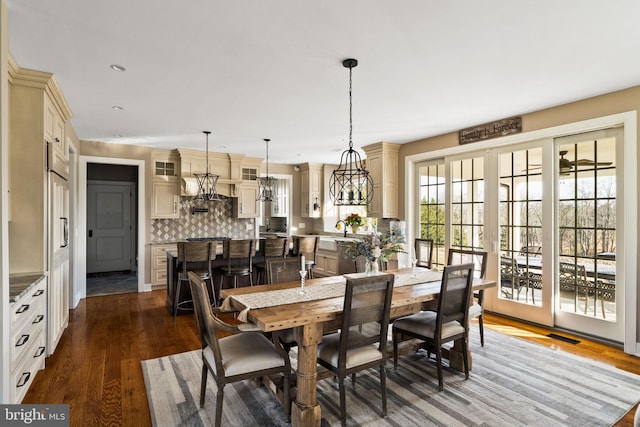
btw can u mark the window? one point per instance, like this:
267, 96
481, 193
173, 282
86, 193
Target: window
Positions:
432, 183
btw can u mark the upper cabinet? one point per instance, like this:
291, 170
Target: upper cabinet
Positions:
245, 201
280, 203
165, 189
311, 190
382, 164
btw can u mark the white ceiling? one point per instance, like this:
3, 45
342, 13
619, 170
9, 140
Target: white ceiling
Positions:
248, 70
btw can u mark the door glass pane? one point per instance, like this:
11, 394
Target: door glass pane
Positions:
587, 228
432, 209
467, 202
521, 226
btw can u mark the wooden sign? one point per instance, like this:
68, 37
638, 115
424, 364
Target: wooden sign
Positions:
491, 130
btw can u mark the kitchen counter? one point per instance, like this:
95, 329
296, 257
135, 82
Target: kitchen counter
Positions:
21, 283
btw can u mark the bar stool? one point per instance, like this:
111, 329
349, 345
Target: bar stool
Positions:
273, 248
196, 257
239, 256
306, 246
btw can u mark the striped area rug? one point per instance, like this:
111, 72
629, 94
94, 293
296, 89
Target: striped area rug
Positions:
513, 383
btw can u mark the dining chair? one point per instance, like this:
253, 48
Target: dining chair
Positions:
282, 270
424, 252
246, 354
479, 260
367, 301
573, 279
195, 257
449, 323
238, 254
272, 248
511, 277
306, 246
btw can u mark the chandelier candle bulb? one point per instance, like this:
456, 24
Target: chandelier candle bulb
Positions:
302, 267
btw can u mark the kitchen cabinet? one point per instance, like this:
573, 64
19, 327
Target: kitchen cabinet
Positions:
165, 190
331, 259
165, 199
27, 335
311, 190
245, 201
382, 164
159, 264
280, 203
54, 126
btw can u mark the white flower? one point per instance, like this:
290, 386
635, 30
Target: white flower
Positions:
376, 252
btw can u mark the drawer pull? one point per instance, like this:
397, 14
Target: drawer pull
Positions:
38, 292
24, 379
39, 352
38, 319
22, 341
22, 309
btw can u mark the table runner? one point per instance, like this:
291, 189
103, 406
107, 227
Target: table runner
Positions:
314, 292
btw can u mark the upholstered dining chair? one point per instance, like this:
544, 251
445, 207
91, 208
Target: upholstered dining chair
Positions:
449, 323
367, 301
247, 354
479, 260
238, 254
273, 248
196, 257
424, 252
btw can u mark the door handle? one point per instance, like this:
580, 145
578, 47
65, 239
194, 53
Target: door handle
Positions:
65, 232
90, 233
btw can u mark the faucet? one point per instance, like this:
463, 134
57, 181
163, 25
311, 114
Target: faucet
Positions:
344, 225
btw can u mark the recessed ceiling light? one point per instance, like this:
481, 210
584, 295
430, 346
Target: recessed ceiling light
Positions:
117, 135
116, 67
117, 107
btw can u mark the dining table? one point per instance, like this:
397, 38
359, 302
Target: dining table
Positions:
318, 309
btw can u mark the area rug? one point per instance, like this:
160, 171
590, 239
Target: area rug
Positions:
513, 383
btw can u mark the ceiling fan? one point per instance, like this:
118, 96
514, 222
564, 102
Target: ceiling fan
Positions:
566, 165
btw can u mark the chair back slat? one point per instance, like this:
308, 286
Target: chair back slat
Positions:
277, 247
283, 270
367, 300
464, 256
455, 294
424, 252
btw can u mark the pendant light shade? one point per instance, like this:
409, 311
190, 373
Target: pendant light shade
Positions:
207, 181
267, 183
350, 184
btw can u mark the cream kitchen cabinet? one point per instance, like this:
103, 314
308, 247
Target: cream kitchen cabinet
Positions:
382, 164
54, 126
28, 339
311, 190
165, 199
280, 203
245, 201
159, 264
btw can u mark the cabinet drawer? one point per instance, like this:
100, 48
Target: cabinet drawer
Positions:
23, 335
160, 277
159, 261
24, 373
28, 304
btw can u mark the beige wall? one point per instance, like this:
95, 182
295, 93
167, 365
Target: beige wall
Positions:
591, 108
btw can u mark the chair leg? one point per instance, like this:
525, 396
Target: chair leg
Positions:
176, 300
203, 384
343, 403
438, 351
395, 336
481, 325
287, 398
465, 356
383, 389
219, 400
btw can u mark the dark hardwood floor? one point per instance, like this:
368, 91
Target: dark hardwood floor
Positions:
96, 367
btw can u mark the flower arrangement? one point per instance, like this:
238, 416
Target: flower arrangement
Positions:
375, 246
355, 219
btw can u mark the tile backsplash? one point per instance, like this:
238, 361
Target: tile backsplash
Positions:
218, 222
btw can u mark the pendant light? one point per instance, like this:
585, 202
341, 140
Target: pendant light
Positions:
267, 183
350, 184
207, 181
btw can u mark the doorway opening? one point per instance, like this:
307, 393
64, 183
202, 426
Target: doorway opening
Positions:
112, 222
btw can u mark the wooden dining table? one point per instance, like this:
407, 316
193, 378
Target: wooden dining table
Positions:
310, 319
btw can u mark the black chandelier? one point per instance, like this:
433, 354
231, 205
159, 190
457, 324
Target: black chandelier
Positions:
266, 183
350, 184
207, 181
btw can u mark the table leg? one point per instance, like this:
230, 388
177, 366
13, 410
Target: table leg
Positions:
306, 410
456, 361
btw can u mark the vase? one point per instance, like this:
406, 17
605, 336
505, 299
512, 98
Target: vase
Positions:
371, 267
355, 228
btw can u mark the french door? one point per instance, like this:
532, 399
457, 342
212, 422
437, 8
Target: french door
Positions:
546, 212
